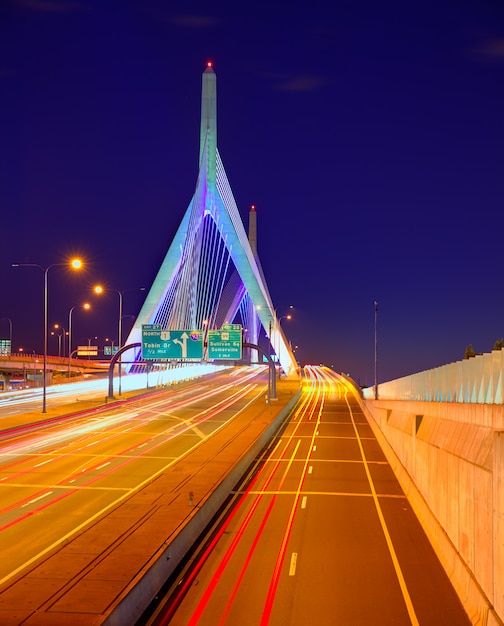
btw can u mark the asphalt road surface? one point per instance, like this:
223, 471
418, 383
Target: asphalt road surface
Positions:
59, 475
321, 533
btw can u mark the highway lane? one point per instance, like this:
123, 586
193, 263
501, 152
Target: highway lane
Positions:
62, 477
321, 533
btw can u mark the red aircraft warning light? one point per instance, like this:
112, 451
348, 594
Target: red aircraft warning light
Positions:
209, 64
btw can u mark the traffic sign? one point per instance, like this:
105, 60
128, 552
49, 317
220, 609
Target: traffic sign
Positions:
5, 347
158, 344
87, 350
225, 343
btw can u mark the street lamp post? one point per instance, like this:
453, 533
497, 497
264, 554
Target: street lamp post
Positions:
89, 340
85, 306
279, 326
107, 339
61, 343
76, 264
99, 289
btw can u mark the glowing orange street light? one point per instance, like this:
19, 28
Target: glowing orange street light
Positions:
98, 289
60, 338
75, 264
85, 306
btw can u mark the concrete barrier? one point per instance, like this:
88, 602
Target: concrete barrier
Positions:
449, 460
135, 600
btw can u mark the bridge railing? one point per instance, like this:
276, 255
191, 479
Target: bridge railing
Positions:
476, 380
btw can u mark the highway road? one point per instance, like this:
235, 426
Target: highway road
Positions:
320, 533
58, 476
93, 387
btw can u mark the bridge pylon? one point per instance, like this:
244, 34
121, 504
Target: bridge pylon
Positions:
211, 274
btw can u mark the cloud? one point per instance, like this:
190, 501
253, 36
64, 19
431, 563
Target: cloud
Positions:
492, 49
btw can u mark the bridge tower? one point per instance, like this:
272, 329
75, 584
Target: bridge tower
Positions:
211, 274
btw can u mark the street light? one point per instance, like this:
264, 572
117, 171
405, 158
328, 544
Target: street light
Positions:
85, 306
75, 264
89, 340
99, 289
107, 339
279, 330
60, 337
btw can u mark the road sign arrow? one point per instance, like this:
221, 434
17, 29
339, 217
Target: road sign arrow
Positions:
183, 344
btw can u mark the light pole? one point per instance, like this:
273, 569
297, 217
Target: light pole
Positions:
99, 289
85, 306
111, 345
89, 340
376, 350
61, 343
62, 335
283, 317
75, 264
8, 319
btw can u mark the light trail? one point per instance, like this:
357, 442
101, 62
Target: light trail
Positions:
81, 424
304, 410
71, 441
169, 433
383, 524
319, 384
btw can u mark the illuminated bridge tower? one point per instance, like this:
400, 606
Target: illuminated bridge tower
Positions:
211, 274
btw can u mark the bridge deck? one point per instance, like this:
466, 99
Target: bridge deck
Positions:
92, 578
100, 575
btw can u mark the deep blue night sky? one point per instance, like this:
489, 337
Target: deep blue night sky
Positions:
370, 136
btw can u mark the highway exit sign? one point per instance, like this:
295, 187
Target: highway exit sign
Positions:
159, 344
225, 343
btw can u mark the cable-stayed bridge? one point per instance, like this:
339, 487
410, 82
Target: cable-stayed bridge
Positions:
442, 430
211, 274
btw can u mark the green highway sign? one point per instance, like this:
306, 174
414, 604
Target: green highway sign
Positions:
158, 344
225, 343
5, 347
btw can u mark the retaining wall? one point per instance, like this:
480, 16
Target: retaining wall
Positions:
449, 459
